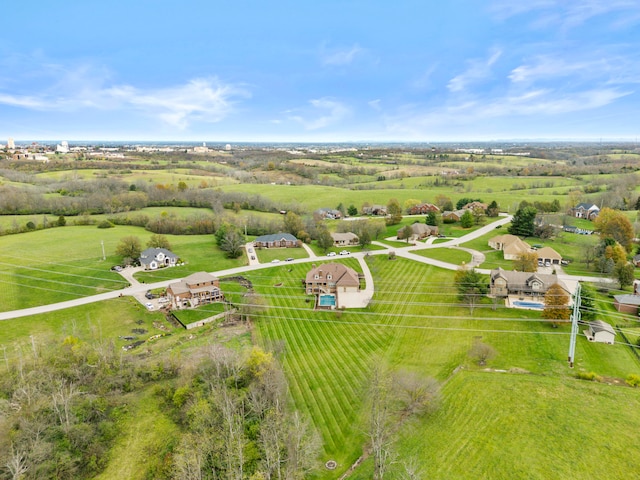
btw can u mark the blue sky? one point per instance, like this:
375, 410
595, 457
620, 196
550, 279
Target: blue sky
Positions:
252, 70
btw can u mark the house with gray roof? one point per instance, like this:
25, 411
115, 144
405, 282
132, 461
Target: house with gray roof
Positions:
332, 281
344, 239
154, 258
627, 303
522, 284
601, 332
276, 240
588, 211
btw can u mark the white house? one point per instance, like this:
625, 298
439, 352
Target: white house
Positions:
154, 258
600, 331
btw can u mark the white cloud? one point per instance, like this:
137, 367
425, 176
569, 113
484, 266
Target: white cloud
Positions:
375, 104
478, 70
201, 99
569, 13
344, 56
325, 112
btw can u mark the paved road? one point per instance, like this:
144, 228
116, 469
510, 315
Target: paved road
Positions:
137, 289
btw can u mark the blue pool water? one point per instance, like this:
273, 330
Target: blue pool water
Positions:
327, 301
520, 303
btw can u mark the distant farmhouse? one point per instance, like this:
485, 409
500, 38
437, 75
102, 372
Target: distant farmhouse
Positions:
380, 210
333, 284
154, 258
452, 215
588, 211
423, 209
329, 213
475, 205
276, 240
197, 289
344, 239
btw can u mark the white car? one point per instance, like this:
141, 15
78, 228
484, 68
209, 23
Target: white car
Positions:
275, 260
331, 254
345, 252
149, 305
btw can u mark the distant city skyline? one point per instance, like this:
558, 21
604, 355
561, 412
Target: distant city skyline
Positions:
334, 71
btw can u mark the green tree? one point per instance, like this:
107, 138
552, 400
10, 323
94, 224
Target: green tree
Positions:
406, 233
352, 210
556, 302
624, 272
293, 223
159, 241
325, 240
465, 200
493, 210
522, 223
394, 212
364, 240
472, 287
614, 224
432, 219
526, 262
61, 221
587, 303
467, 220
443, 202
129, 247
233, 242
182, 186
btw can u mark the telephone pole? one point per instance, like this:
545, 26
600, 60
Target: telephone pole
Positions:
575, 318
104, 257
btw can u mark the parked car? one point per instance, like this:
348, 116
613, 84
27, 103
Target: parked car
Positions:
149, 305
149, 295
117, 268
547, 264
275, 260
345, 252
331, 254
253, 257
290, 259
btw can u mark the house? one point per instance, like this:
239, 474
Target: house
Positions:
380, 210
587, 211
423, 209
332, 283
636, 260
452, 216
276, 240
499, 242
476, 205
344, 239
329, 213
627, 303
549, 255
196, 289
154, 258
512, 246
600, 331
420, 230
522, 284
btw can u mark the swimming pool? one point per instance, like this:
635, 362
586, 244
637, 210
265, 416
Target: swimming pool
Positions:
522, 304
327, 301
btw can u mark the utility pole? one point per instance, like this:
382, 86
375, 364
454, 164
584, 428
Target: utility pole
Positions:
575, 318
104, 257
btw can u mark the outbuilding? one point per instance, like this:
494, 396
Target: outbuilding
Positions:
601, 332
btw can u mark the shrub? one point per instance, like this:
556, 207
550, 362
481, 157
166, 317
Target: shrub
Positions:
633, 380
31, 226
105, 224
590, 376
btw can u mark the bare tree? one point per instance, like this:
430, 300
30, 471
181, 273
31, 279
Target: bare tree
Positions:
417, 394
17, 464
380, 420
482, 352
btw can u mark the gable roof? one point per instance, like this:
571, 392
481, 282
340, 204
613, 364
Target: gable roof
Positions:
341, 275
150, 254
548, 252
527, 278
587, 206
627, 299
345, 237
199, 277
600, 326
516, 247
276, 237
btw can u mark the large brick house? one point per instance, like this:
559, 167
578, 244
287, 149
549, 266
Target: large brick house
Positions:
332, 280
522, 284
423, 209
196, 289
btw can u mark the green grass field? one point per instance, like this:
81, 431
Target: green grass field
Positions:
449, 255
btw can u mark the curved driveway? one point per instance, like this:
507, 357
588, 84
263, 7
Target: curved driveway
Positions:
137, 289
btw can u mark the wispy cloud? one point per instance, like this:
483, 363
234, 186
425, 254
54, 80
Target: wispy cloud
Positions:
325, 112
478, 70
569, 13
341, 56
200, 99
538, 103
